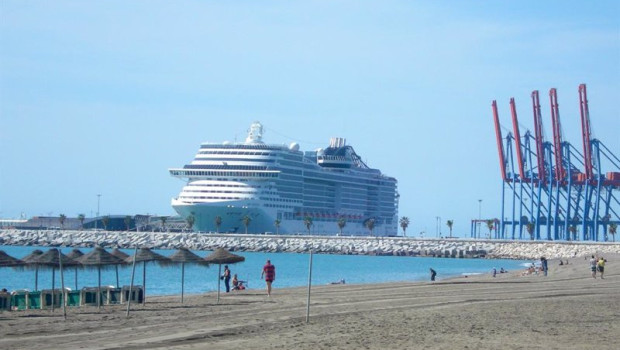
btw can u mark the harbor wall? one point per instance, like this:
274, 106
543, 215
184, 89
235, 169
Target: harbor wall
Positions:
400, 246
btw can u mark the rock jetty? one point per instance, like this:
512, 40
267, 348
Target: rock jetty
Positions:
400, 246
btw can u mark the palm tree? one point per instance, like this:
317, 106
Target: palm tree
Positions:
191, 219
218, 223
62, 219
490, 226
163, 222
105, 221
370, 225
81, 217
277, 224
573, 229
246, 222
342, 222
127, 222
450, 223
404, 223
612, 230
308, 223
530, 229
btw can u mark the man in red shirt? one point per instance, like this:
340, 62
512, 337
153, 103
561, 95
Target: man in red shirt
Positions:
269, 272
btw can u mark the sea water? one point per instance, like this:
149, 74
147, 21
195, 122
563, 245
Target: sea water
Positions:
291, 271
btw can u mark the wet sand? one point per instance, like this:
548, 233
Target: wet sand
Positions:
566, 310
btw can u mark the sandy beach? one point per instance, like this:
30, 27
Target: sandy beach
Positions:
566, 310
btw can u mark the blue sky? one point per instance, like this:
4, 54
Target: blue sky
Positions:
104, 97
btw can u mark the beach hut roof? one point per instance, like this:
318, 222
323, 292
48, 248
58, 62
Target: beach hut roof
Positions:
35, 253
223, 256
75, 253
145, 254
99, 256
119, 254
7, 260
51, 258
183, 255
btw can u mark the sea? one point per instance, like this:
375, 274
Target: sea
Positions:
292, 270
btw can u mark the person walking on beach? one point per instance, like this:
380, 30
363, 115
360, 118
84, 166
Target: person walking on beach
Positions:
433, 274
269, 273
226, 278
593, 266
543, 265
601, 266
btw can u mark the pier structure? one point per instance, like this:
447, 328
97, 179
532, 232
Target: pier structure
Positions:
550, 189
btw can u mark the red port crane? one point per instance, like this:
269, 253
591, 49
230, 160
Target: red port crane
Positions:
560, 171
500, 145
515, 126
540, 152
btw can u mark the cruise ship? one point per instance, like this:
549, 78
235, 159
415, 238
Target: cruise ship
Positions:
256, 187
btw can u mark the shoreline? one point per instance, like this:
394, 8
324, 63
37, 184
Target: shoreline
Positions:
507, 312
343, 245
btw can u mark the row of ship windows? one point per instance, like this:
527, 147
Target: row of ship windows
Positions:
221, 173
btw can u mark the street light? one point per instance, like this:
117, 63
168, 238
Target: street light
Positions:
479, 216
98, 200
438, 226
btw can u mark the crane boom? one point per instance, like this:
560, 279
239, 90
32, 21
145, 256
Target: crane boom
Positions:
540, 152
500, 145
515, 126
585, 131
560, 172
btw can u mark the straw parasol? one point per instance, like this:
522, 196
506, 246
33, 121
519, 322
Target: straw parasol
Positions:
28, 260
145, 255
117, 253
74, 254
53, 258
8, 261
183, 255
99, 257
222, 256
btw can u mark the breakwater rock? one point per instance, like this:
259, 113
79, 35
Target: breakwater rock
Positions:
401, 246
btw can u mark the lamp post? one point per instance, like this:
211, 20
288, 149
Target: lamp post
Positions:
438, 226
97, 218
479, 216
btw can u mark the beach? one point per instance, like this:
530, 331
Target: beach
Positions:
566, 310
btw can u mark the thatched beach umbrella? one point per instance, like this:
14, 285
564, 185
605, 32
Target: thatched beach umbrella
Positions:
8, 261
222, 256
183, 255
99, 257
145, 255
28, 259
75, 254
117, 253
53, 258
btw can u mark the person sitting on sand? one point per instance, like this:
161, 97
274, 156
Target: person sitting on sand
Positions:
338, 282
237, 284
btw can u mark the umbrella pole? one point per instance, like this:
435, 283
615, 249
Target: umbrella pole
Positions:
76, 286
99, 288
133, 272
309, 286
182, 280
36, 278
219, 273
62, 286
53, 277
144, 282
117, 285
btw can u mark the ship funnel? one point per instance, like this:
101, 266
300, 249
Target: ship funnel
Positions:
337, 142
